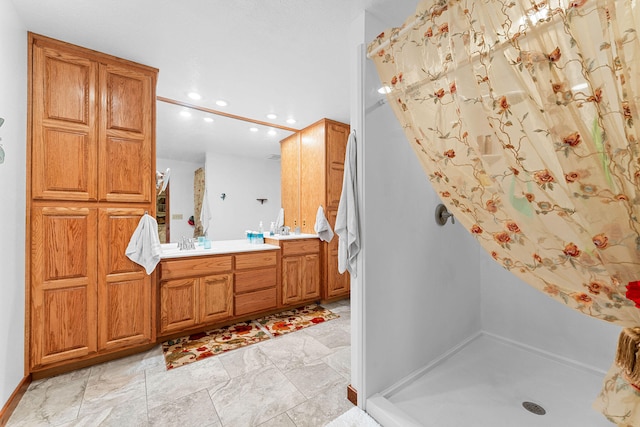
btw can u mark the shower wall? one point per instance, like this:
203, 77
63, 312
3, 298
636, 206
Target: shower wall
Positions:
428, 288
420, 280
515, 311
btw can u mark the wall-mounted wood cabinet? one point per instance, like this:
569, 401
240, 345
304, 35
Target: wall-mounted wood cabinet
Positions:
91, 153
311, 176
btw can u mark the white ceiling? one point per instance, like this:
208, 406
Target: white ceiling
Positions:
289, 57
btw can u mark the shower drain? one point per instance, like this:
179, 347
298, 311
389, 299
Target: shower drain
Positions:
534, 408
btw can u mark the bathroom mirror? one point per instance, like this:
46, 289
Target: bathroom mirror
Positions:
183, 139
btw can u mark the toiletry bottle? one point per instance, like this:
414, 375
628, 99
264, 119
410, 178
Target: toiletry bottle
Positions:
260, 228
272, 229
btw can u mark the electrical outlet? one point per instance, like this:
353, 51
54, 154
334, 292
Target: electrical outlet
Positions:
176, 216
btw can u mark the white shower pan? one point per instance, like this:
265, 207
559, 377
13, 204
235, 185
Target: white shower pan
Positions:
484, 382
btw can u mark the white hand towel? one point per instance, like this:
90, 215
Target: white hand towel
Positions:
280, 219
347, 227
205, 213
144, 247
322, 226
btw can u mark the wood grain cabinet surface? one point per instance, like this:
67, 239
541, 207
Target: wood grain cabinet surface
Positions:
201, 291
91, 153
312, 170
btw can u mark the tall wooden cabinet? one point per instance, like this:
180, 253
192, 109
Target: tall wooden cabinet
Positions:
90, 161
312, 162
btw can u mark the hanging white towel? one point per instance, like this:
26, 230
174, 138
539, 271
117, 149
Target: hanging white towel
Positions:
280, 219
144, 247
205, 213
322, 226
347, 227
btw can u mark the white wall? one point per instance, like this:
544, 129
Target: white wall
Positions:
243, 180
516, 311
180, 195
13, 108
421, 281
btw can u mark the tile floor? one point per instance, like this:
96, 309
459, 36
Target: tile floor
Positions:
296, 380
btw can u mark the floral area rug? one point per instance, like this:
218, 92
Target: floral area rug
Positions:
296, 319
182, 351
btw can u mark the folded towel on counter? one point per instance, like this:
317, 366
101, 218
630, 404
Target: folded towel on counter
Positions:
280, 220
322, 226
144, 246
347, 226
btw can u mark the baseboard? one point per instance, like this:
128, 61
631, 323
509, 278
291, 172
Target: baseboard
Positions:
352, 395
14, 399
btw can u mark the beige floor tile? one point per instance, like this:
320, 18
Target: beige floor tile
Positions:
51, 401
314, 378
293, 350
254, 398
322, 408
192, 410
165, 387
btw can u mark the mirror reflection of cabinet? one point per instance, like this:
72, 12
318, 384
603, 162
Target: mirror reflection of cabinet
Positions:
162, 215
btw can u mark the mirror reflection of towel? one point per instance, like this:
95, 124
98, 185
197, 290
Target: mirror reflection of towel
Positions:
205, 213
280, 219
322, 226
144, 247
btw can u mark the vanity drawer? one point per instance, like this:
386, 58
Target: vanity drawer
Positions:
252, 280
198, 266
260, 259
256, 301
298, 247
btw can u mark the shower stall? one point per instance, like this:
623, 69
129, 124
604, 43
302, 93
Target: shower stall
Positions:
444, 336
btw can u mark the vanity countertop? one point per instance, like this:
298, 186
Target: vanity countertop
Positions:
292, 236
218, 247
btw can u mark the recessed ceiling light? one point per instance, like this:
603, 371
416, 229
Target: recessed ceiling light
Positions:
221, 103
194, 95
272, 132
185, 113
272, 116
291, 121
384, 90
253, 129
208, 119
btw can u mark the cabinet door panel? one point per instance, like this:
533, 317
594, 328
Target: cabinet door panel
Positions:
337, 135
178, 304
63, 149
310, 282
63, 284
312, 175
124, 288
336, 284
290, 179
216, 298
126, 133
124, 313
291, 268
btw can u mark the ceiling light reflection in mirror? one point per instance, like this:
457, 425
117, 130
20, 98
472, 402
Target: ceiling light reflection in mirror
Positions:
189, 138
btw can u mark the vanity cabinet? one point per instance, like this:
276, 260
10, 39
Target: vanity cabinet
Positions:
200, 291
195, 291
312, 170
90, 157
301, 270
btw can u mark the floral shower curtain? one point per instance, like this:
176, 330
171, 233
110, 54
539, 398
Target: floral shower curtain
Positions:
525, 117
